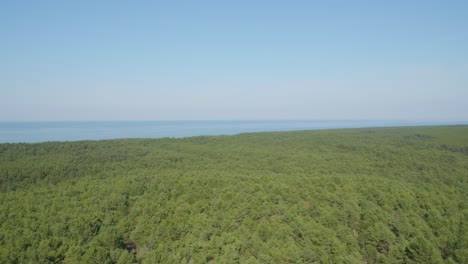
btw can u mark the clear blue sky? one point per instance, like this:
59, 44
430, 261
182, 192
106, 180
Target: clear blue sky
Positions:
162, 60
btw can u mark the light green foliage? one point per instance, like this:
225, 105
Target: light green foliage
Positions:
377, 195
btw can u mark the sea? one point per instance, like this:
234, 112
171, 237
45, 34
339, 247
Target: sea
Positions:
34, 132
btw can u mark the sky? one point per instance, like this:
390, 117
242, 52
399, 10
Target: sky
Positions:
234, 60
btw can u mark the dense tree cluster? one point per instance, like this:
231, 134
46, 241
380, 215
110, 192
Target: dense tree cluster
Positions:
376, 195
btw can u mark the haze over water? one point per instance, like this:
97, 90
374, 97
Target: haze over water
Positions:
33, 132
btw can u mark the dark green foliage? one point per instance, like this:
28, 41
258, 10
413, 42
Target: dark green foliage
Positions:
380, 195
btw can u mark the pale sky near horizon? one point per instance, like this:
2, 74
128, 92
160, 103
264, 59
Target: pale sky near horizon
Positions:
202, 60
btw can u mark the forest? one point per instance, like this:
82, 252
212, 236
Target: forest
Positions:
368, 195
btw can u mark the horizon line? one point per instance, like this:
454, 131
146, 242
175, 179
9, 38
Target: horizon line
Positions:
231, 120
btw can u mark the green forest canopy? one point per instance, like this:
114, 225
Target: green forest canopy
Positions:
373, 195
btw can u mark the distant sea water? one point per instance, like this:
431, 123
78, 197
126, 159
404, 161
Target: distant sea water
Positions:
33, 132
